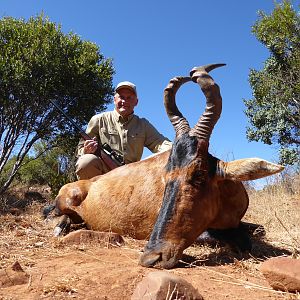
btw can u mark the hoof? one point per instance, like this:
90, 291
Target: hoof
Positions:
57, 231
47, 210
63, 226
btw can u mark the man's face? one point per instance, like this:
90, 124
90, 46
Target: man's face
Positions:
125, 100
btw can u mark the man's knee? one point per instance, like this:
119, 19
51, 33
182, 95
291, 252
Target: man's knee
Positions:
89, 165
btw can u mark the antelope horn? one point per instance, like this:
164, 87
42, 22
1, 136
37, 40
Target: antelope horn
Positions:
206, 123
179, 123
206, 68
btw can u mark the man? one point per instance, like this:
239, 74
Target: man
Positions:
122, 130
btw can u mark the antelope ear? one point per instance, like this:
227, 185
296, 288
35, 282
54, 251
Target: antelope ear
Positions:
248, 169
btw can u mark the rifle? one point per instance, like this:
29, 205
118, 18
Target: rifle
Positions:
111, 158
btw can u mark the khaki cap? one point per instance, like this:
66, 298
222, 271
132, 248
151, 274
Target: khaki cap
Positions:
128, 85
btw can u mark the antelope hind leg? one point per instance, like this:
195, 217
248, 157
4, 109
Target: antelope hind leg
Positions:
63, 226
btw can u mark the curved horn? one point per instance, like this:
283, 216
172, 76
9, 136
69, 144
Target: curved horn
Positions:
179, 123
206, 123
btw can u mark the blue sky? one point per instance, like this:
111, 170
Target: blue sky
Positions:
152, 41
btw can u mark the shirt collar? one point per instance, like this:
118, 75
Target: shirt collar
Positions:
122, 119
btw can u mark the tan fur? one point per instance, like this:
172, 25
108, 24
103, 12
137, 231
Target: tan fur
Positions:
249, 169
127, 200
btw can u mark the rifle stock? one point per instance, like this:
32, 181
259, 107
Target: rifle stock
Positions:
109, 157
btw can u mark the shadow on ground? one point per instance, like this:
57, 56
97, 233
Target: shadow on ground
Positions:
225, 254
16, 201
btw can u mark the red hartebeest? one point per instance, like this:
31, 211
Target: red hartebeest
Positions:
198, 190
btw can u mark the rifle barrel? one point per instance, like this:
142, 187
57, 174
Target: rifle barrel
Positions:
106, 155
82, 133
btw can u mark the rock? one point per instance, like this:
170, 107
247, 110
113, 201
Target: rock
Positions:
161, 285
84, 236
282, 273
17, 267
13, 275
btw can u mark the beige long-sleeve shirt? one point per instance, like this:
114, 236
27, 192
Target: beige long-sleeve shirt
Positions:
128, 135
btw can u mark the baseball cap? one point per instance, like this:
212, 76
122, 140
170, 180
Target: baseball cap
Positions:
128, 85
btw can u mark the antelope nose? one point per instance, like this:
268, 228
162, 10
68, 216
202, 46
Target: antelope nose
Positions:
149, 259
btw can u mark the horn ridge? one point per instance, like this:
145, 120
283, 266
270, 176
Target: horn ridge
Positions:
207, 121
179, 123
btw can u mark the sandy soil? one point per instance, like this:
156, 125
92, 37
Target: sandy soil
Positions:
91, 271
57, 271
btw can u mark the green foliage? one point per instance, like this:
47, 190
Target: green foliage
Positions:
39, 62
274, 110
52, 167
45, 167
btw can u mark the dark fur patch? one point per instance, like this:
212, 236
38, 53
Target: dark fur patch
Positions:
165, 213
212, 163
198, 178
183, 152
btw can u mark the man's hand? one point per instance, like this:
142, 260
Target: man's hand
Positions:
90, 146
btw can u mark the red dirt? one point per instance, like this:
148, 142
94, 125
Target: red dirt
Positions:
92, 273
88, 271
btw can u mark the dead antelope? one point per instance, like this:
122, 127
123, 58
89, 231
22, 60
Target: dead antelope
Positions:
198, 191
193, 198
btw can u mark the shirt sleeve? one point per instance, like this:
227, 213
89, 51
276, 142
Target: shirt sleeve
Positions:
155, 141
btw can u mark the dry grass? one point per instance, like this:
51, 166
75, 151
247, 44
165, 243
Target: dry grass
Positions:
277, 209
23, 235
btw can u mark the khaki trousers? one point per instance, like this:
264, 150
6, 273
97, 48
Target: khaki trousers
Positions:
90, 165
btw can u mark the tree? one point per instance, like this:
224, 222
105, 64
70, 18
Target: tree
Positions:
51, 167
38, 62
274, 110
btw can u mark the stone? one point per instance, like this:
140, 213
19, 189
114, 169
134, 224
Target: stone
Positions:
161, 285
84, 236
282, 273
13, 275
